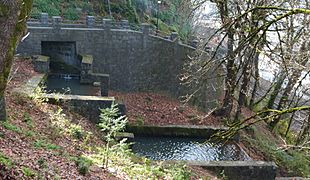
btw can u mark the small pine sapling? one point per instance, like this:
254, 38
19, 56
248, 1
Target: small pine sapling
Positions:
111, 123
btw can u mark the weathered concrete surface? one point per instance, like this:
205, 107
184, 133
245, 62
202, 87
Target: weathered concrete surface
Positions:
124, 135
30, 86
290, 178
240, 170
86, 68
135, 61
174, 130
77, 97
87, 106
87, 76
41, 63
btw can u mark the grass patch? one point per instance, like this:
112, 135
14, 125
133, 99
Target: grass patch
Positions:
28, 120
42, 163
281, 129
7, 125
29, 133
45, 145
5, 160
28, 172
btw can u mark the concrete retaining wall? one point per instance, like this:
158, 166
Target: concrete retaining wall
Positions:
87, 106
240, 170
174, 130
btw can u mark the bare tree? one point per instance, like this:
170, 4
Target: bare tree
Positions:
245, 29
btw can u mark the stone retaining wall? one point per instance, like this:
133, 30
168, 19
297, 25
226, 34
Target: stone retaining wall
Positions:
135, 60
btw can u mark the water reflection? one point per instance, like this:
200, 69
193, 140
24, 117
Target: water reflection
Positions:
193, 149
66, 84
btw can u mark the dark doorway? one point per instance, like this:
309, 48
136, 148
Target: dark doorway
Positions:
62, 55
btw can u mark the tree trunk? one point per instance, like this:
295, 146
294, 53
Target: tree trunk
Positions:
244, 89
109, 8
290, 85
276, 90
13, 14
256, 78
230, 83
304, 133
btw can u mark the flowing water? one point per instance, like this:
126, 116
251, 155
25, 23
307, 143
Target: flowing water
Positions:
189, 149
68, 84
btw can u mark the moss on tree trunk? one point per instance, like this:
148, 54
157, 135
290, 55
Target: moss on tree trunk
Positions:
13, 16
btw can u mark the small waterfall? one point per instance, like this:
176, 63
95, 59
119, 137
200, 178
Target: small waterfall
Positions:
67, 77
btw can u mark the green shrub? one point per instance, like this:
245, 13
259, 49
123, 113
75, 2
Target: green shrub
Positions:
83, 164
52, 7
126, 10
2, 135
180, 172
76, 131
35, 13
43, 144
139, 167
139, 121
281, 129
72, 14
86, 7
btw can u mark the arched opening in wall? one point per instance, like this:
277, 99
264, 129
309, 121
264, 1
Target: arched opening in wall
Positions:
63, 56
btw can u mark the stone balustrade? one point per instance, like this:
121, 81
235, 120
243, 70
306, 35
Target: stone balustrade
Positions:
107, 24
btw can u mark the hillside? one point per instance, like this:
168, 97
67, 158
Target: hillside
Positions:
135, 11
39, 140
44, 141
74, 10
